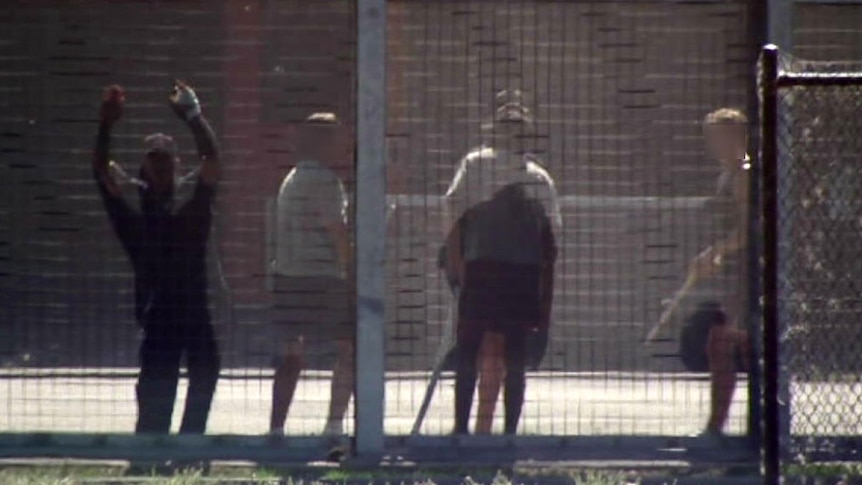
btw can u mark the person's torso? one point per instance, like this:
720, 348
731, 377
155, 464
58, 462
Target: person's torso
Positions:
504, 223
507, 228
727, 212
170, 265
309, 197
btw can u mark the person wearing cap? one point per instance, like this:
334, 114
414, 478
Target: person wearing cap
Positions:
501, 218
311, 270
166, 245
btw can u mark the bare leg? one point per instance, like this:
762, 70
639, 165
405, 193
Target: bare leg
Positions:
516, 382
492, 370
342, 387
469, 341
284, 385
722, 345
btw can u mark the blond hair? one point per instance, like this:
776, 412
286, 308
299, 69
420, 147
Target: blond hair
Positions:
726, 116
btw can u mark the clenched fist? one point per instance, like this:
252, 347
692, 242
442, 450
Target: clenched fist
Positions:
184, 101
113, 98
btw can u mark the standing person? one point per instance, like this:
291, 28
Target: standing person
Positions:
312, 266
167, 248
725, 131
501, 249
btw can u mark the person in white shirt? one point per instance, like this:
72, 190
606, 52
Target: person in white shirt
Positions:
501, 216
312, 270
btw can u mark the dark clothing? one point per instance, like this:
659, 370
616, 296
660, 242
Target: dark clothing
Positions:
160, 353
501, 294
168, 254
167, 250
515, 356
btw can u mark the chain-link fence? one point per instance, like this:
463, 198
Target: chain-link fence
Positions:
819, 242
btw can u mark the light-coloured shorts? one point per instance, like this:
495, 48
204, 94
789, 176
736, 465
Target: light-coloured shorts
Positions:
316, 309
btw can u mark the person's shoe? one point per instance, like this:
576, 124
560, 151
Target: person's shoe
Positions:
337, 453
275, 436
713, 437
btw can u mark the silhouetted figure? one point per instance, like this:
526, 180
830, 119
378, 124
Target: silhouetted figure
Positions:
167, 248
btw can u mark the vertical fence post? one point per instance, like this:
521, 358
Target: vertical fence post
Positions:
769, 215
370, 226
758, 32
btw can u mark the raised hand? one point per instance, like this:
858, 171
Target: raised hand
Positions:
705, 264
184, 101
113, 98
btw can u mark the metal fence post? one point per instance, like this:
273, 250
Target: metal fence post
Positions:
769, 213
758, 34
370, 226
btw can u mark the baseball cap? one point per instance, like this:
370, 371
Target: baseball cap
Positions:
509, 113
508, 96
160, 143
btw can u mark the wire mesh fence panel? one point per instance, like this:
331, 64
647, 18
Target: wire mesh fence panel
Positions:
94, 286
605, 102
819, 156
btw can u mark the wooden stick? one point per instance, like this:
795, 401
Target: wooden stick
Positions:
672, 306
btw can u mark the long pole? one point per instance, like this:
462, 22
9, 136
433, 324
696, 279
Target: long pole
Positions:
769, 219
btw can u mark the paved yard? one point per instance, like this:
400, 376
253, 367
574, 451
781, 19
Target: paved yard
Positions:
557, 404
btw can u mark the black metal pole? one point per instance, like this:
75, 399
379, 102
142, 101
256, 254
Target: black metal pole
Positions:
758, 29
769, 218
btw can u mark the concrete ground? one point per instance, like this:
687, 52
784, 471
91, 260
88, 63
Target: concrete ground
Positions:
102, 401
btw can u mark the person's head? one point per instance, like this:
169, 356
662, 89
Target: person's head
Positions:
512, 123
726, 133
159, 167
322, 138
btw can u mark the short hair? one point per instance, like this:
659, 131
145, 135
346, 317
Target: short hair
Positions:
726, 116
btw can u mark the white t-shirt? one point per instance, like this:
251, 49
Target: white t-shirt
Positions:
311, 199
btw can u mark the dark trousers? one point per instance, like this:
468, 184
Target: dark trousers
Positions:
161, 352
515, 356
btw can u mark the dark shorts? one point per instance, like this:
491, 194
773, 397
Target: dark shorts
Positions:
315, 308
499, 295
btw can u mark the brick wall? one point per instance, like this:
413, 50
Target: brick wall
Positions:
618, 89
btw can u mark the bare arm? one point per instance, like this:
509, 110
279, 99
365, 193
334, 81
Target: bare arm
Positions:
185, 104
708, 261
341, 236
207, 150
337, 227
737, 239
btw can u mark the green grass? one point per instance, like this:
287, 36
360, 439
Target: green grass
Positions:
82, 475
89, 475
824, 470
